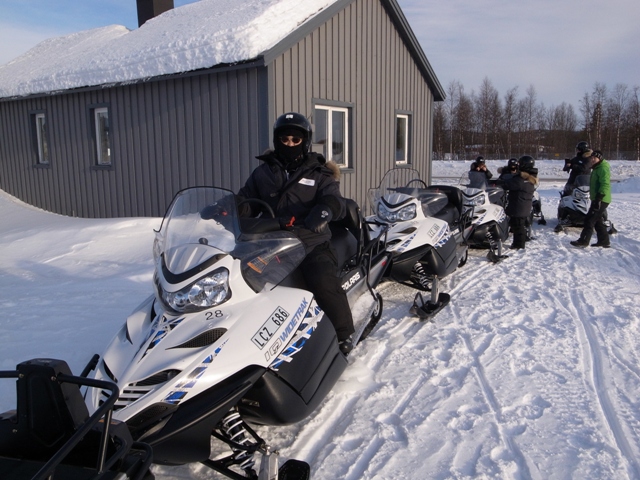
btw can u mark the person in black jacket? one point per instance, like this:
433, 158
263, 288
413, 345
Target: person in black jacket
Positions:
576, 166
480, 166
509, 170
520, 190
303, 190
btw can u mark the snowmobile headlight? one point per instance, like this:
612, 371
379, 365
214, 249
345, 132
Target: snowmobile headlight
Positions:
408, 212
477, 201
209, 291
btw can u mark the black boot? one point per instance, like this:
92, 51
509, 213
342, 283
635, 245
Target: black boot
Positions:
345, 346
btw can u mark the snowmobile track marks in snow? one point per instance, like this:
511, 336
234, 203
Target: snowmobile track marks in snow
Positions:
593, 343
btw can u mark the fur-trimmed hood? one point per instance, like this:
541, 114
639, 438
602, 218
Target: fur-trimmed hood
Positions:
528, 177
333, 166
269, 156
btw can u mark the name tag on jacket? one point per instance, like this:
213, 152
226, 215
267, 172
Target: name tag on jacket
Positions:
307, 181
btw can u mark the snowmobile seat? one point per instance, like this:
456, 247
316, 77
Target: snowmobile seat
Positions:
51, 431
347, 233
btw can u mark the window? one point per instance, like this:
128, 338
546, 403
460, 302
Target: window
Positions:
41, 138
332, 132
103, 145
402, 138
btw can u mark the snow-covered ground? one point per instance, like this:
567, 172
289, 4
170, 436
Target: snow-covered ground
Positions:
532, 371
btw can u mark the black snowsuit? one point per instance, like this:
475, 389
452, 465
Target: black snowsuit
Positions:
519, 199
293, 194
576, 167
475, 168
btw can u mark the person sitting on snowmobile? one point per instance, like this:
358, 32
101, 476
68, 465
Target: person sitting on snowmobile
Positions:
576, 166
520, 190
480, 166
303, 190
600, 195
479, 174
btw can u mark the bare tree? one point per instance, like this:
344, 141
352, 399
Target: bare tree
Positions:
439, 129
488, 113
454, 92
617, 105
464, 124
468, 123
509, 117
598, 100
634, 120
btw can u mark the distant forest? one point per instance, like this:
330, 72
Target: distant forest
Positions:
484, 123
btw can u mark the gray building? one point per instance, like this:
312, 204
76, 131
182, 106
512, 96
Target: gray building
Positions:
124, 148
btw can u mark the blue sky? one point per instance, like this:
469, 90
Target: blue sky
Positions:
561, 47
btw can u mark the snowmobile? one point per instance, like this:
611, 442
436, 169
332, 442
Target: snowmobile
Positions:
425, 229
52, 436
573, 208
490, 224
231, 338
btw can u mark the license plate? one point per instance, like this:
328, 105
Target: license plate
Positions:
270, 327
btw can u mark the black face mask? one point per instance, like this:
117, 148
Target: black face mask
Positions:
289, 155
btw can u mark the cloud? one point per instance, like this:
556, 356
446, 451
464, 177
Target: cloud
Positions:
562, 48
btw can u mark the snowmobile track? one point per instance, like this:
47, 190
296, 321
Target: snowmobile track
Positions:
593, 343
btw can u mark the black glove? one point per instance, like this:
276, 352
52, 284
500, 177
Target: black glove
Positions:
212, 211
318, 219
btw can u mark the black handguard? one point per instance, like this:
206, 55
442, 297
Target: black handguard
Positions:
318, 219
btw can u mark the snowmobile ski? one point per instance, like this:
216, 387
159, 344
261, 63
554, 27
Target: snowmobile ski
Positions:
426, 310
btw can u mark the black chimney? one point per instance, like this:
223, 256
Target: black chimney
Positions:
147, 9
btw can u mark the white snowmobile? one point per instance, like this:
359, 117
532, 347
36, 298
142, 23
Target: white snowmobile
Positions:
426, 230
486, 199
231, 337
573, 208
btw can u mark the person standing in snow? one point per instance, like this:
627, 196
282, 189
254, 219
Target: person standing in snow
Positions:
520, 188
509, 170
303, 190
600, 195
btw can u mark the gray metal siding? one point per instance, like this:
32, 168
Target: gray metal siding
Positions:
358, 58
165, 135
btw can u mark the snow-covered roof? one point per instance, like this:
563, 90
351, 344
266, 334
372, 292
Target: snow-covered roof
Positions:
194, 36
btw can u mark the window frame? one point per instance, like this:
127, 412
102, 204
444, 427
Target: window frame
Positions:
347, 109
406, 116
41, 138
97, 135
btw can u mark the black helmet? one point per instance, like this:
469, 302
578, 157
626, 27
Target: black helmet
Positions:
582, 147
296, 121
526, 163
480, 159
513, 162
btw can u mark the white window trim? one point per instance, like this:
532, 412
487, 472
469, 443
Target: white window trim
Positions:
96, 112
344, 110
406, 138
42, 141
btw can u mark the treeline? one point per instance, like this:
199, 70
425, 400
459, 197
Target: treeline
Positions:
484, 123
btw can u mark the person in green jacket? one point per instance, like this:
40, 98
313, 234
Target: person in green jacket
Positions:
600, 195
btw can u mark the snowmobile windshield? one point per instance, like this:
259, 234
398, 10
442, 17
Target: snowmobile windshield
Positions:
477, 180
397, 180
399, 183
202, 225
